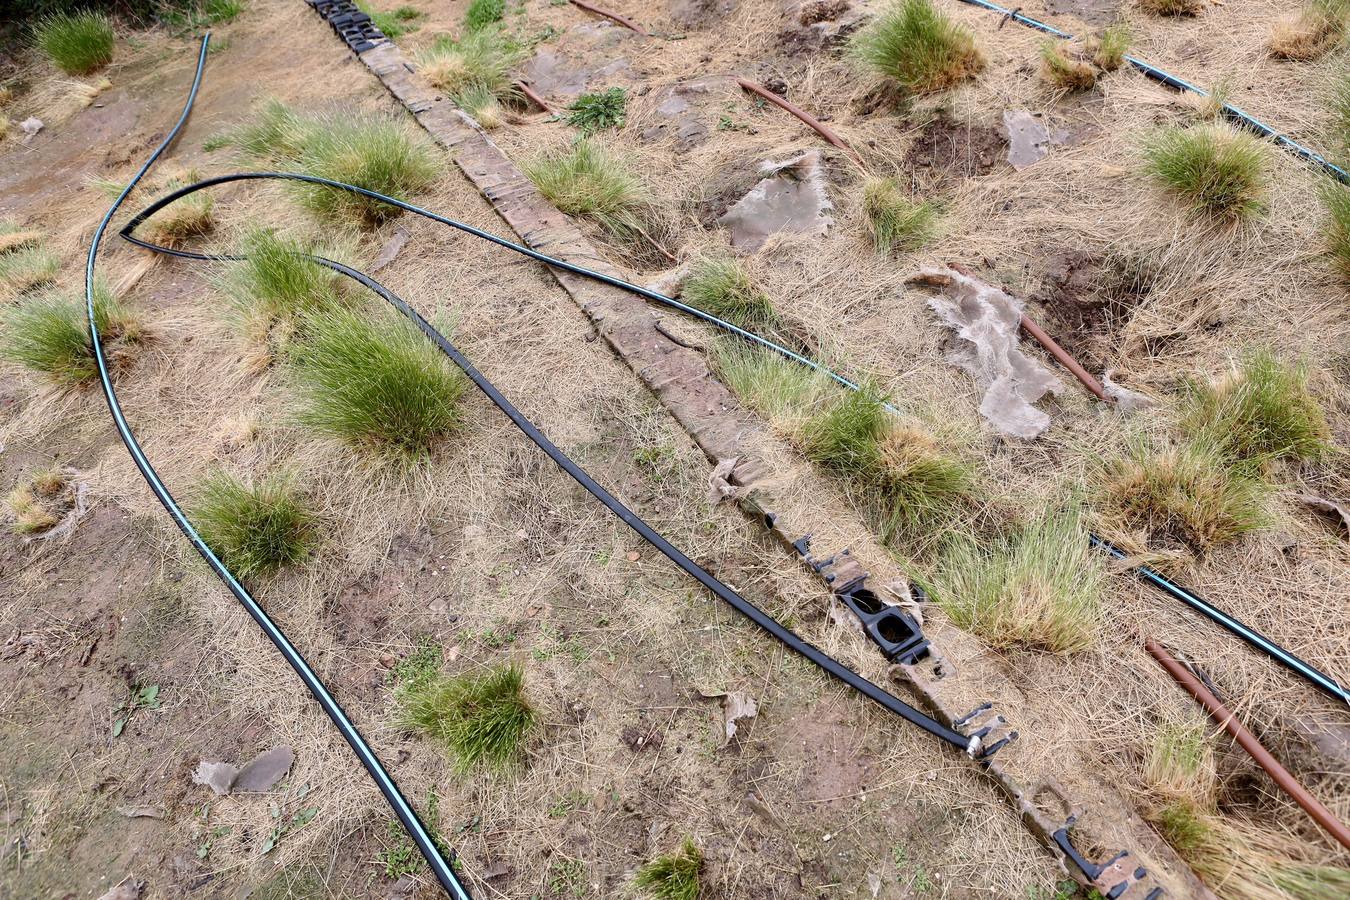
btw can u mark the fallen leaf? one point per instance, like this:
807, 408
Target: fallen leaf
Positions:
1329, 508
264, 771
719, 484
736, 707
142, 811
218, 776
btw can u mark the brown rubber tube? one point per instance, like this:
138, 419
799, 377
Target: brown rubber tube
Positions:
534, 97
819, 127
1217, 711
612, 16
1065, 360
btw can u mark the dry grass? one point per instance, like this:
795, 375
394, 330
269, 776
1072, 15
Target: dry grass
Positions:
38, 505
1172, 7
1336, 202
1312, 32
480, 59
1193, 494
1063, 71
188, 217
1039, 587
1110, 46
1219, 172
27, 267
917, 46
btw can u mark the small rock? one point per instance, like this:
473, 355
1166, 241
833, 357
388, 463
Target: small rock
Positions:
31, 125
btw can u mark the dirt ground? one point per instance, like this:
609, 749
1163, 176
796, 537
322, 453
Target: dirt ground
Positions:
493, 554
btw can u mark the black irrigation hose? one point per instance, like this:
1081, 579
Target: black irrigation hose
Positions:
1232, 112
439, 867
1218, 616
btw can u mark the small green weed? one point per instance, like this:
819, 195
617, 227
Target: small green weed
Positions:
1218, 171
600, 110
919, 47
78, 43
145, 696
674, 876
893, 221
255, 529
1110, 46
379, 385
481, 719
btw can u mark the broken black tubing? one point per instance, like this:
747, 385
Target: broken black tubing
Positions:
442, 869
1256, 639
1231, 112
1218, 616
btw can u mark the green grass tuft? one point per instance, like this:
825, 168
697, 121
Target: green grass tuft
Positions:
589, 181
379, 385
919, 47
255, 529
721, 287
1262, 409
674, 876
893, 221
777, 388
392, 23
483, 13
599, 110
379, 155
1039, 587
1064, 71
49, 334
1337, 203
480, 720
896, 471
277, 281
1194, 494
26, 268
482, 58
1218, 171
1110, 46
78, 43
485, 107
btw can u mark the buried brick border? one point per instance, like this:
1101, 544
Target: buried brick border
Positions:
952, 681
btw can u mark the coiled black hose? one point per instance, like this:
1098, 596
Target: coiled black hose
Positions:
440, 868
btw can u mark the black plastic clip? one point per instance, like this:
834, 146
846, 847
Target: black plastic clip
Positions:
1113, 877
895, 631
355, 27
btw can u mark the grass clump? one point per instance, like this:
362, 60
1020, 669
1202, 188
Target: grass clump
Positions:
1310, 33
392, 23
483, 105
377, 385
776, 388
1262, 409
379, 155
1193, 494
49, 334
1039, 587
24, 263
589, 181
480, 720
1172, 7
78, 43
483, 14
38, 505
674, 876
1218, 171
481, 58
187, 217
277, 281
721, 287
897, 471
255, 529
599, 110
1109, 48
1337, 204
914, 44
892, 220
1064, 71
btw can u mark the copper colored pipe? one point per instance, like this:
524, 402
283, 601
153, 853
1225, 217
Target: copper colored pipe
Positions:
800, 113
1217, 711
615, 17
534, 97
1065, 360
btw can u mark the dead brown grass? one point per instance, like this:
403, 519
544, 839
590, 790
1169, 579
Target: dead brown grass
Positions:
1310, 33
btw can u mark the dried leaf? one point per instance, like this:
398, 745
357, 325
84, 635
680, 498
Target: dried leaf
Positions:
1336, 512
